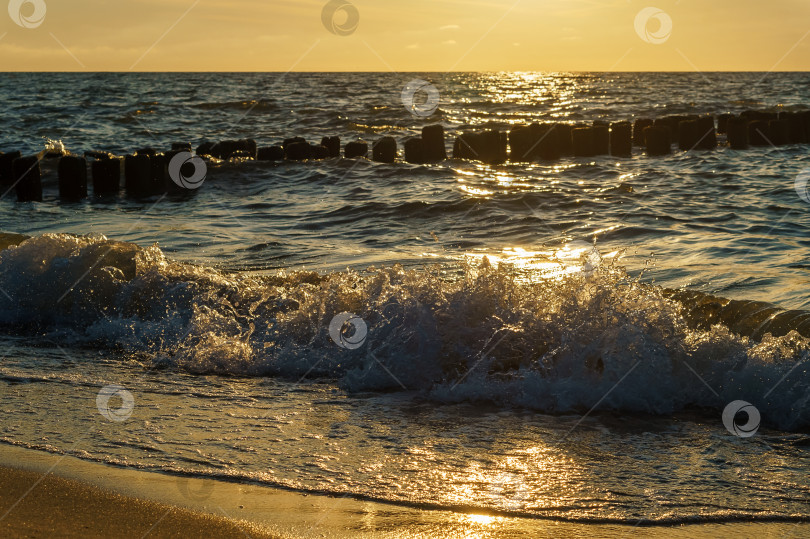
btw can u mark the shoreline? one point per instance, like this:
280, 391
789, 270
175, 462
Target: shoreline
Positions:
72, 497
37, 505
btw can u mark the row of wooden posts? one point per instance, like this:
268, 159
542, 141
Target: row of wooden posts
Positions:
146, 172
551, 141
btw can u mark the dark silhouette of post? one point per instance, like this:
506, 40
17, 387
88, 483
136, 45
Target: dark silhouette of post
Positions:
433, 143
415, 151
355, 149
270, 153
27, 179
638, 131
72, 172
583, 141
737, 133
385, 150
621, 139
658, 140
106, 176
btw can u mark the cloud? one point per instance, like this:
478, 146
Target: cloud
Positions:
450, 27
449, 42
413, 46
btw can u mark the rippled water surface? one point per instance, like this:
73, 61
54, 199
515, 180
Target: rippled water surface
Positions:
507, 365
725, 221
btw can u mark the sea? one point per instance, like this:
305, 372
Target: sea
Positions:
597, 340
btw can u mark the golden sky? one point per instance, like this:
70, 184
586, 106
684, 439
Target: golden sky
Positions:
399, 35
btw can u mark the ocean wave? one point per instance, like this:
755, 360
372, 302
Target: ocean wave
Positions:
572, 339
253, 105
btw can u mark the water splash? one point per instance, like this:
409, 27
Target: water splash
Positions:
559, 344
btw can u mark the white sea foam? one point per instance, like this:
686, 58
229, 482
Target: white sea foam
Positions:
557, 345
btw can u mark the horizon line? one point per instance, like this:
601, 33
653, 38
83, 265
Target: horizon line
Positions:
401, 72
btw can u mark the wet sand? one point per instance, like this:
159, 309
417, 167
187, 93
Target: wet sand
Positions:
37, 505
69, 497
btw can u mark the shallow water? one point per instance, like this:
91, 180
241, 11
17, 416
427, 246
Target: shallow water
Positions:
547, 379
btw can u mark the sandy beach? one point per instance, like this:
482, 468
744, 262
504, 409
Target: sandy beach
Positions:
59, 507
47, 495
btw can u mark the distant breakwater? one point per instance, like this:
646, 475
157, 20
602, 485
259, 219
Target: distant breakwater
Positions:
148, 171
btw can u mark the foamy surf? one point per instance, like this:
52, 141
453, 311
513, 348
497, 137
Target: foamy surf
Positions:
484, 333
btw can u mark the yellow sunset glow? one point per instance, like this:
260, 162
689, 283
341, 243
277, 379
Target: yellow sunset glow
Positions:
420, 35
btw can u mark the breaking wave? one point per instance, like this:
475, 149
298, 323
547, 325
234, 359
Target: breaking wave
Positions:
582, 338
